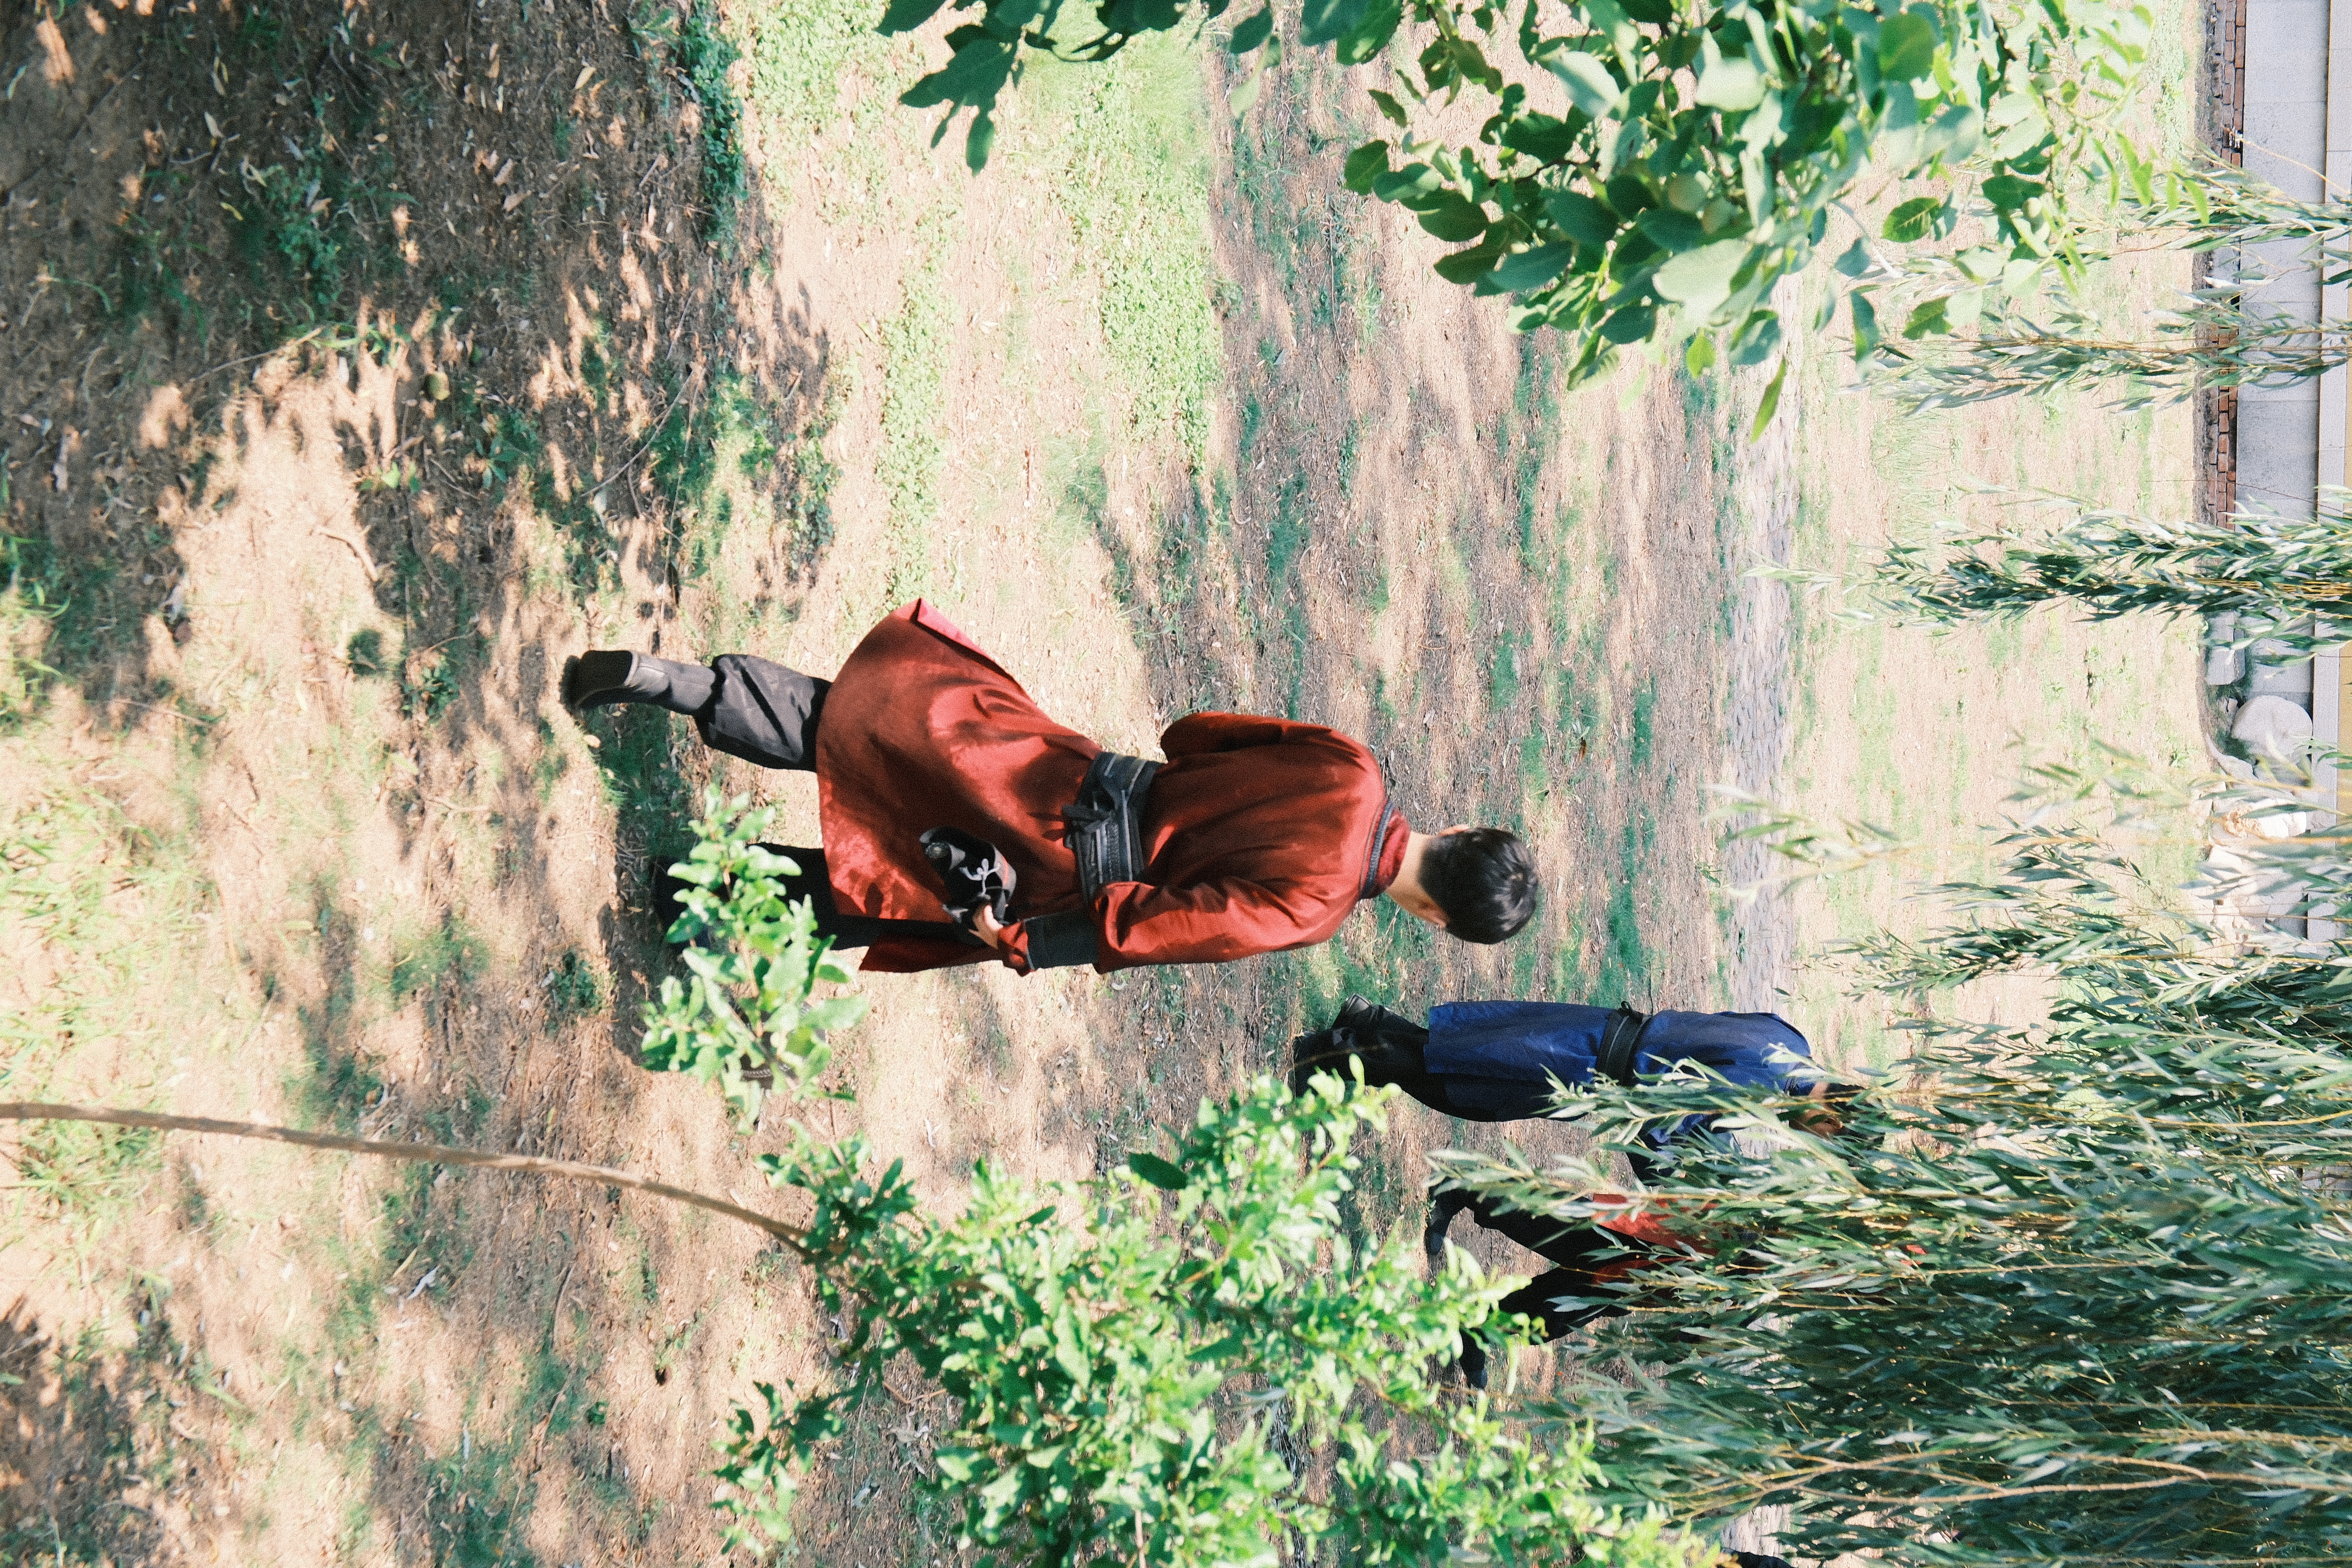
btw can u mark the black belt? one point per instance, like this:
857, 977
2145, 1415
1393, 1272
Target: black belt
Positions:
1619, 1038
1105, 828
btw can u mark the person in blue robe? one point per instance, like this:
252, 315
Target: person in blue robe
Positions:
1506, 1061
1499, 1061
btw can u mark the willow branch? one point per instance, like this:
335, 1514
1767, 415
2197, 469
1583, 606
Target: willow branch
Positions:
418, 1154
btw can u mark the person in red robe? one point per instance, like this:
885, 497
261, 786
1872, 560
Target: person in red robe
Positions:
1257, 834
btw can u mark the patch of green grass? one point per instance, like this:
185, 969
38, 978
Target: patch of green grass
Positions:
1127, 163
1535, 418
506, 440
319, 225
1639, 744
364, 654
428, 684
575, 987
692, 41
799, 50
638, 775
916, 343
91, 1171
107, 901
1503, 669
446, 954
337, 1080
1622, 974
68, 613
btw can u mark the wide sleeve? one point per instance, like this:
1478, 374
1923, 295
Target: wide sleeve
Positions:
1134, 923
1212, 921
1197, 734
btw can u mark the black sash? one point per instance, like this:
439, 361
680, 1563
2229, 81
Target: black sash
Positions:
1619, 1038
1105, 828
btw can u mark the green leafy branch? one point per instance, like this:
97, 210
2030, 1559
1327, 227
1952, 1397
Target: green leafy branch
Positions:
1652, 171
745, 1020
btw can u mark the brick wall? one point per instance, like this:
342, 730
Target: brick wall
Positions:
2221, 123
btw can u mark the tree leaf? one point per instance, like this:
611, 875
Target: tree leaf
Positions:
1913, 220
1245, 91
1769, 404
1389, 106
1731, 84
1528, 270
1321, 21
1468, 266
1700, 279
1907, 45
1584, 218
1589, 85
1629, 326
906, 16
1866, 326
2009, 193
1365, 164
1369, 36
1253, 32
1453, 217
1673, 231
1167, 1177
1405, 184
1927, 319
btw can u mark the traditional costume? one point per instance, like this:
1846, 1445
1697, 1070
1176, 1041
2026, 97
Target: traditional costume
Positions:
1505, 1062
1256, 836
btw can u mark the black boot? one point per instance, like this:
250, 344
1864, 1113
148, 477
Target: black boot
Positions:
1369, 1021
1311, 1054
604, 677
1442, 1207
1474, 1361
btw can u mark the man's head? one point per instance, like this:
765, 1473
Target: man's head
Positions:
1827, 1116
1481, 880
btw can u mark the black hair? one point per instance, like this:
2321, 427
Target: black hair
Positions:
1483, 880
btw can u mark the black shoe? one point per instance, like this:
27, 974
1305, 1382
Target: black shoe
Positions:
1472, 1362
1369, 1021
1442, 1207
1311, 1054
604, 677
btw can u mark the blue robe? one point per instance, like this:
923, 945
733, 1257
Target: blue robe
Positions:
1495, 1060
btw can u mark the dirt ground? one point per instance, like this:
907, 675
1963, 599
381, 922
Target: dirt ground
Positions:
362, 364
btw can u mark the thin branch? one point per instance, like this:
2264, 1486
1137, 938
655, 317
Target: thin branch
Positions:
419, 1154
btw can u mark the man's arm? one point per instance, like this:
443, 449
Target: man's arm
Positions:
1196, 734
1132, 924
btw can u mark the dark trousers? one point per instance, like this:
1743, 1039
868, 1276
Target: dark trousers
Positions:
767, 714
762, 712
1397, 1054
851, 931
1566, 1296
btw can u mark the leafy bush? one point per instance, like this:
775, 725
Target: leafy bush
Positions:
1649, 173
2072, 1292
1185, 1362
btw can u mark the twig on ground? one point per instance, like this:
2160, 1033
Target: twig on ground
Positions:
367, 563
643, 446
416, 1154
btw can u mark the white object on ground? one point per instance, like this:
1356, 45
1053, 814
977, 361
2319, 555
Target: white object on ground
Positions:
2273, 727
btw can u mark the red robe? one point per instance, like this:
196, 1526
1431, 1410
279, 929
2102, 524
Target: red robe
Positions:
1262, 834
